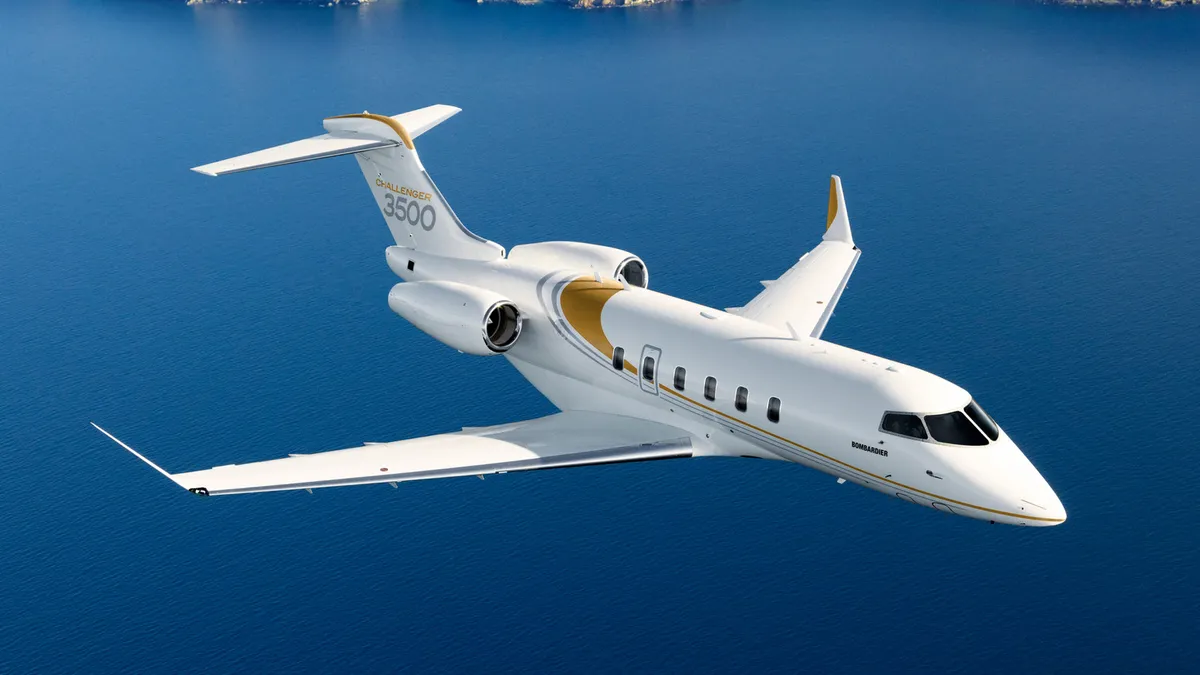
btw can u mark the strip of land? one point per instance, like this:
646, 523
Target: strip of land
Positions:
1130, 3
600, 4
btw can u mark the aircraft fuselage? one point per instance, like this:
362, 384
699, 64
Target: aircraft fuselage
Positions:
830, 398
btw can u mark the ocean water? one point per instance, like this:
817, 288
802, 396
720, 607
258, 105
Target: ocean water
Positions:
1022, 180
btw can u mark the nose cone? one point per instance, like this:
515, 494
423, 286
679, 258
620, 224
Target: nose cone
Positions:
1007, 485
1034, 498
1046, 505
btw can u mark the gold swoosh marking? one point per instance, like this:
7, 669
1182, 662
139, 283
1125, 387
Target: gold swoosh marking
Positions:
582, 301
383, 119
851, 466
833, 203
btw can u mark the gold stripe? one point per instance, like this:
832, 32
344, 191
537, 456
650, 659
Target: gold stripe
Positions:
851, 466
833, 202
582, 301
396, 126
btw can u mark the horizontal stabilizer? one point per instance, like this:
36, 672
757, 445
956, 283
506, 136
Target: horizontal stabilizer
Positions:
343, 139
419, 121
317, 147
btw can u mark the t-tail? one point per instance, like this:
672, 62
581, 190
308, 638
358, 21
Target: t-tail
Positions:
415, 210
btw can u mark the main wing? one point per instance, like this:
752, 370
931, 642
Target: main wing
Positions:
558, 441
802, 300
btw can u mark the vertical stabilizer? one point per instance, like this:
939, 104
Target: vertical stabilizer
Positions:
415, 210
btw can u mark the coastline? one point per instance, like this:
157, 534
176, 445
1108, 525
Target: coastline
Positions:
1158, 4
616, 4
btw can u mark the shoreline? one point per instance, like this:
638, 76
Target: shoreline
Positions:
620, 4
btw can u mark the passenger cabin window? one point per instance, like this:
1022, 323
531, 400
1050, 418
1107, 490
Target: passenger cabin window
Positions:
954, 427
904, 424
710, 388
680, 376
619, 358
983, 420
648, 369
773, 409
739, 400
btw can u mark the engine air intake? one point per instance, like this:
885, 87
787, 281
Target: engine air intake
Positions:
502, 326
633, 271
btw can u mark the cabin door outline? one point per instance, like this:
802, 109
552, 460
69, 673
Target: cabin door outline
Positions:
648, 377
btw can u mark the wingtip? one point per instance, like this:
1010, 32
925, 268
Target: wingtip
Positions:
136, 453
837, 221
203, 170
835, 200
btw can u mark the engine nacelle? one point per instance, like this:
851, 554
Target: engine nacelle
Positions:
468, 318
570, 255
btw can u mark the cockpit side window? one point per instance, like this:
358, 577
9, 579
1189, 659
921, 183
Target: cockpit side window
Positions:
983, 420
955, 428
904, 424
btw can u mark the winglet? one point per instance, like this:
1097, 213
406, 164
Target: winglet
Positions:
137, 454
837, 222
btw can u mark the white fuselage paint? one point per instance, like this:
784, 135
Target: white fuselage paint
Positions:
832, 397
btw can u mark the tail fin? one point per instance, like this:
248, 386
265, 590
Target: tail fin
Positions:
415, 210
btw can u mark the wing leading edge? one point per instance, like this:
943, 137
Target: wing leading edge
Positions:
802, 300
557, 441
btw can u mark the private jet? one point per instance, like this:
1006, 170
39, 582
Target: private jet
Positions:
639, 375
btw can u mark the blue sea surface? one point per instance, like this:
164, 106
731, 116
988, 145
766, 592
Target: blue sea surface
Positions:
1022, 179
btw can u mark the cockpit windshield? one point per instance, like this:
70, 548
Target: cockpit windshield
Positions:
904, 424
983, 420
955, 428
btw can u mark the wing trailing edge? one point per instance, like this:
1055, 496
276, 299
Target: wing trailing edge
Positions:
558, 441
